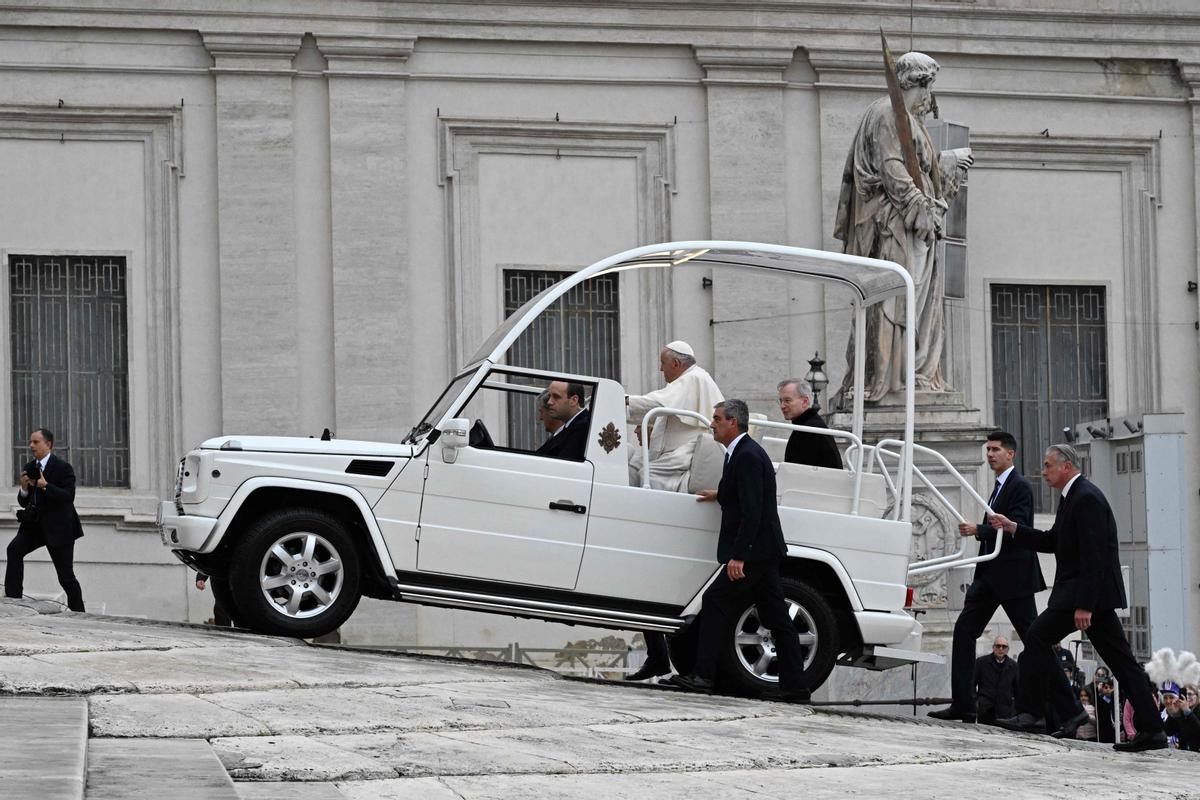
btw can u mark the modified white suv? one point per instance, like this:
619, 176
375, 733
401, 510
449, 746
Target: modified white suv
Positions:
463, 514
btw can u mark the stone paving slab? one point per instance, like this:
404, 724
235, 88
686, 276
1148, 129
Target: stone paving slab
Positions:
289, 791
43, 747
286, 719
156, 769
178, 716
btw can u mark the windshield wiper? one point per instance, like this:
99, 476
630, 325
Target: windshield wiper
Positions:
416, 432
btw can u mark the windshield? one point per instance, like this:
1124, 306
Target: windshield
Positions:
488, 346
439, 409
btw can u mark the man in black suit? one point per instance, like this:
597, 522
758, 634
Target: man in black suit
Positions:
751, 546
48, 519
1010, 580
1087, 591
995, 681
565, 402
818, 450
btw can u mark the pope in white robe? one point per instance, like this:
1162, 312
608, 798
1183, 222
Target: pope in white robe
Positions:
673, 439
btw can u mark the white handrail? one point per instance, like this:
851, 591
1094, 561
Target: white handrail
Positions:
646, 420
879, 452
953, 560
855, 442
936, 565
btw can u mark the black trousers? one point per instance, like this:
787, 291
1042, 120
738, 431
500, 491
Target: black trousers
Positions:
25, 542
978, 607
657, 653
724, 598
1039, 666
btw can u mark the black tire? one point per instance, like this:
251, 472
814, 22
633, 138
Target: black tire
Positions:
819, 641
305, 598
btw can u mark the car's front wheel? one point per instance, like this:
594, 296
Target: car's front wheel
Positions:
748, 660
295, 573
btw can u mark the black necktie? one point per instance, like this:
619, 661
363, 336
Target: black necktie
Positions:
995, 491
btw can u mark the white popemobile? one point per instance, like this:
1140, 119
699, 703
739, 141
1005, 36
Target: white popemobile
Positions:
295, 530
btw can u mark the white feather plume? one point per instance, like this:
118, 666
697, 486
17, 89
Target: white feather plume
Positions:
1165, 666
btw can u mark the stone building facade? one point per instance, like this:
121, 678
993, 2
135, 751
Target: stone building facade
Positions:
303, 215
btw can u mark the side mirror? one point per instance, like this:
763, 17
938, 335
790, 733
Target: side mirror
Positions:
456, 433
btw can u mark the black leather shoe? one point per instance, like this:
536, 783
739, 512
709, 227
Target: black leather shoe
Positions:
692, 683
1067, 731
649, 670
952, 714
1145, 740
1024, 723
799, 696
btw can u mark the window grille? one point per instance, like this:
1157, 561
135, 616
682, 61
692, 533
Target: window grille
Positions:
70, 366
580, 334
1049, 367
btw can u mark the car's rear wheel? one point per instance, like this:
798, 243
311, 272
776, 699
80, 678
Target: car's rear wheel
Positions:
295, 573
748, 661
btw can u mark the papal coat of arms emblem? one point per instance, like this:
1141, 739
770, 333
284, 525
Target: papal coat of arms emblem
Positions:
610, 438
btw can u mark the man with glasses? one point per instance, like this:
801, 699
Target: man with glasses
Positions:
995, 682
1088, 590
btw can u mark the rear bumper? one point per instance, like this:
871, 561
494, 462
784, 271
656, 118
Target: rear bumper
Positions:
184, 532
890, 639
889, 628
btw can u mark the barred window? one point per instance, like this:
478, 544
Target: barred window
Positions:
580, 333
70, 364
1049, 368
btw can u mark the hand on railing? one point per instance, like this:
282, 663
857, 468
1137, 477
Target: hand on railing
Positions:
968, 529
1001, 522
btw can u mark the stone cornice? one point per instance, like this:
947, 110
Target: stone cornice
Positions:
755, 66
1189, 71
252, 53
847, 66
366, 56
961, 27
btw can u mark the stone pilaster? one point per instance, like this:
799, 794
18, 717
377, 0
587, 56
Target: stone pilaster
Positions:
1190, 72
747, 202
368, 172
256, 186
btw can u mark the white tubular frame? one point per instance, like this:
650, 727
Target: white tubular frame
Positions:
649, 418
954, 560
855, 442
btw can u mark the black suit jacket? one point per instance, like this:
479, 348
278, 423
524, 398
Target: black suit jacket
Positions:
57, 520
1084, 543
995, 681
750, 529
1015, 572
570, 442
812, 448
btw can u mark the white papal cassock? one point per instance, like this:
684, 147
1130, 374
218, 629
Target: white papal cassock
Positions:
673, 440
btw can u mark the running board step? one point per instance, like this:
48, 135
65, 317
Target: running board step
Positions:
540, 609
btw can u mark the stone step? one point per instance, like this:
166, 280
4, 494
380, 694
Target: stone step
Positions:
153, 769
44, 745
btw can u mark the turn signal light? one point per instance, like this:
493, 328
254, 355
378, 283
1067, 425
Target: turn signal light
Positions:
908, 597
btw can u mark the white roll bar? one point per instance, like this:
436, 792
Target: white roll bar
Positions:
855, 442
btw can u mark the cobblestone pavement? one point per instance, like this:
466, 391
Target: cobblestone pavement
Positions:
286, 719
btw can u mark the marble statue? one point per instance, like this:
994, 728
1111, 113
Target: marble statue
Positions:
884, 212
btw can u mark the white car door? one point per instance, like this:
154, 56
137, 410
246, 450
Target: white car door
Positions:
505, 516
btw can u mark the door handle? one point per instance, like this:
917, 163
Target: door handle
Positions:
567, 505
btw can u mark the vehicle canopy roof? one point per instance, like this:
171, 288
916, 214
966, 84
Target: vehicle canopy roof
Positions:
871, 280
